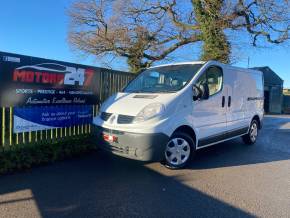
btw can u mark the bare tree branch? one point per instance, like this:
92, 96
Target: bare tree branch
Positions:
146, 31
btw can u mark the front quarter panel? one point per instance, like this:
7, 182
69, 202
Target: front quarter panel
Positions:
179, 114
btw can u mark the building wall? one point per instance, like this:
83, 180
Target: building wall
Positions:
286, 101
286, 104
275, 100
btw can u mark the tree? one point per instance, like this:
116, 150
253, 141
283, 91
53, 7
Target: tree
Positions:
148, 31
209, 17
262, 19
120, 28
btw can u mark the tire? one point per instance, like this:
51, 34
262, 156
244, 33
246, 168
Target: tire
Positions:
252, 135
178, 151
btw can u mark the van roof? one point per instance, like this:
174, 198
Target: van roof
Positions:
249, 70
179, 63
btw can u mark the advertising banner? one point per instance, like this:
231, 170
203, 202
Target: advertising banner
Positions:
30, 81
47, 94
28, 119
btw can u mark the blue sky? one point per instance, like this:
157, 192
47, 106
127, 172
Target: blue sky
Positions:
39, 28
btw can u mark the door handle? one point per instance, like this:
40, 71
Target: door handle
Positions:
223, 101
229, 101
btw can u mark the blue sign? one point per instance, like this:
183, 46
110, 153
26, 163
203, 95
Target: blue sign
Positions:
28, 119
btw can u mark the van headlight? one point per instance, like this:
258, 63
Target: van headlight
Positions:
149, 112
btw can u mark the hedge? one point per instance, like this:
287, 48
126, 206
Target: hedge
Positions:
19, 157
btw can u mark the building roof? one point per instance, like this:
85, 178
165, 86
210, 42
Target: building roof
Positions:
270, 77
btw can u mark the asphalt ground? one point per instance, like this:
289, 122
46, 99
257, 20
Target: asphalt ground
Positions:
226, 180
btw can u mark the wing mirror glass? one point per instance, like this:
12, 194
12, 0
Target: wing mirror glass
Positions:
205, 89
197, 92
200, 92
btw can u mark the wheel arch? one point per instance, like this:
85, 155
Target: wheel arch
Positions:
257, 118
187, 129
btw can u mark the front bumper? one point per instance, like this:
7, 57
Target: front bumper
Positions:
144, 147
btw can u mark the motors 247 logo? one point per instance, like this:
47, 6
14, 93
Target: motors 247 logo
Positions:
55, 74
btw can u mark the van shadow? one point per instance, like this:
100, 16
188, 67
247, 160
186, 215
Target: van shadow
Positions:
270, 147
273, 144
100, 185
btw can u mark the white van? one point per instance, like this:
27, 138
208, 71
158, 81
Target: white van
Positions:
170, 111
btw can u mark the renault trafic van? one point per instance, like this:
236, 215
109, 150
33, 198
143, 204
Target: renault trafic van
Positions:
168, 112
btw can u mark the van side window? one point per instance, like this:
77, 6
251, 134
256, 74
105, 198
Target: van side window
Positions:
214, 78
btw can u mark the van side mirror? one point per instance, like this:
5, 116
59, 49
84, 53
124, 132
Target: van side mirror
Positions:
197, 92
200, 92
205, 90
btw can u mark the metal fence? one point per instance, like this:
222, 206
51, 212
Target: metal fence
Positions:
110, 82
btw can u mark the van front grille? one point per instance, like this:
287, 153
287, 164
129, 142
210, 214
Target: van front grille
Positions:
124, 119
105, 116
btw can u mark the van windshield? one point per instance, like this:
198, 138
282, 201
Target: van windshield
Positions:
163, 79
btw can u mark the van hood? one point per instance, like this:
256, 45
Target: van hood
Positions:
132, 103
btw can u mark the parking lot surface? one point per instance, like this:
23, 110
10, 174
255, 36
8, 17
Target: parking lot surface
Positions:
227, 180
